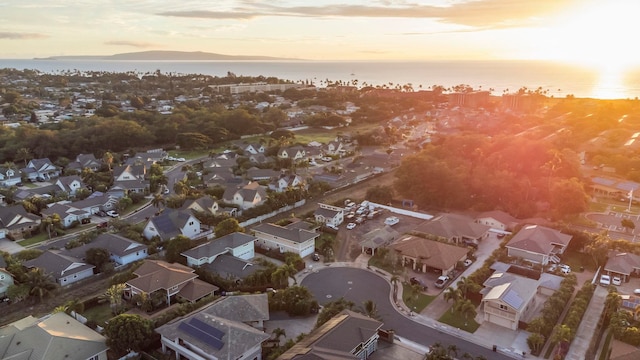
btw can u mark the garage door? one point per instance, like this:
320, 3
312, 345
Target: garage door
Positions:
501, 321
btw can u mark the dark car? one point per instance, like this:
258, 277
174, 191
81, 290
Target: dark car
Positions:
316, 257
416, 281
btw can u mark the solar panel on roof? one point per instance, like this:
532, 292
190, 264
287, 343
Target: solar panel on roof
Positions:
201, 335
513, 299
201, 325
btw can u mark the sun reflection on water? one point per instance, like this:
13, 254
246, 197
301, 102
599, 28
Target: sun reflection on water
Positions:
611, 84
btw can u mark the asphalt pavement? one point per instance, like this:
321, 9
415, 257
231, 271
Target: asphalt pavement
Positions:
360, 284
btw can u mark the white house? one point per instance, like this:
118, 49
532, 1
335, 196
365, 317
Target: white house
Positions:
254, 149
237, 244
286, 182
248, 196
9, 177
69, 184
67, 213
41, 169
329, 215
65, 269
293, 153
298, 241
172, 223
122, 251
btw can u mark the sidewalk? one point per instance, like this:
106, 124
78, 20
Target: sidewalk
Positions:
588, 326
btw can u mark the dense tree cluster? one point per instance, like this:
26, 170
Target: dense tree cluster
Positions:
520, 176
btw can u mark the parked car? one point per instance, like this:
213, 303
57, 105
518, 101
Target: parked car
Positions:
102, 225
351, 226
636, 291
391, 220
442, 281
468, 262
316, 257
326, 159
605, 280
416, 281
616, 281
113, 213
331, 226
471, 243
565, 269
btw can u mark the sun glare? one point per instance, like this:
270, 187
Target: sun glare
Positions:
598, 33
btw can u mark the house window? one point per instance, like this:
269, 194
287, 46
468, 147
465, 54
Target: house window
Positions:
503, 307
190, 222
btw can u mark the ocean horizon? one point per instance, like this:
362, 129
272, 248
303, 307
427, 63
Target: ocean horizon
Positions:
499, 76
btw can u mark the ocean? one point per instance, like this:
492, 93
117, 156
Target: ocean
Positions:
557, 79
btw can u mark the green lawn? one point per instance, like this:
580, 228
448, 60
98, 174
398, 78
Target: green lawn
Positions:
34, 240
457, 321
576, 260
100, 314
417, 305
380, 263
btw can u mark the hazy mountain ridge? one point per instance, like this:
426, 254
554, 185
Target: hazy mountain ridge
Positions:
161, 55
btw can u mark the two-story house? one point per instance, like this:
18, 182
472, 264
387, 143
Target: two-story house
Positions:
329, 215
286, 239
247, 196
41, 169
172, 223
538, 244
171, 280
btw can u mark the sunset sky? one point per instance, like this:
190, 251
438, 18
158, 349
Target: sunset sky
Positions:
587, 31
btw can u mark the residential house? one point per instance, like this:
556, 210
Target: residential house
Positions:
429, 255
148, 158
232, 268
200, 335
16, 222
237, 244
498, 220
254, 149
96, 202
172, 280
64, 269
172, 223
129, 172
538, 244
70, 184
260, 159
457, 229
219, 177
69, 215
123, 188
252, 310
348, 335
329, 215
41, 169
615, 188
246, 197
10, 177
55, 336
6, 278
122, 251
256, 174
294, 153
286, 239
286, 182
85, 161
205, 204
508, 298
623, 264
334, 148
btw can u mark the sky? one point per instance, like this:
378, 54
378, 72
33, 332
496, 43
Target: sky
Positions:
586, 31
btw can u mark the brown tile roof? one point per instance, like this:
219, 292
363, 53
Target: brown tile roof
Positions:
154, 275
431, 253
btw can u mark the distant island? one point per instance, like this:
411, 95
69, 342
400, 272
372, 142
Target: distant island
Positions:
160, 55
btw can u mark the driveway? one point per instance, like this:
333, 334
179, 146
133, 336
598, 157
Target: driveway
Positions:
9, 246
359, 285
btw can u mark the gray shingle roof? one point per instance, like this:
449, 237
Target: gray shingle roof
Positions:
295, 235
220, 245
538, 239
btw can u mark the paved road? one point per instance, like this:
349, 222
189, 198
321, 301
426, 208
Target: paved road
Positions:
358, 285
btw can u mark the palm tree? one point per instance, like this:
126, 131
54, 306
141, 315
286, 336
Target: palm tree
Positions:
181, 187
108, 159
114, 296
23, 154
467, 285
40, 284
74, 306
452, 294
452, 350
466, 308
278, 332
370, 309
158, 201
